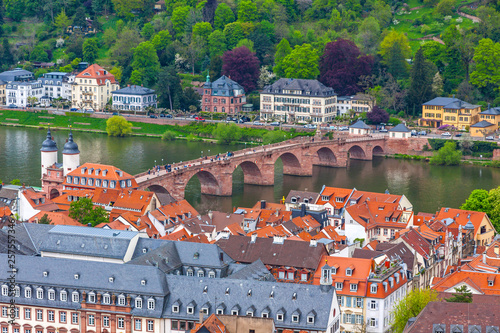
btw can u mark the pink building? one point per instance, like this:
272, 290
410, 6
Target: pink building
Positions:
222, 95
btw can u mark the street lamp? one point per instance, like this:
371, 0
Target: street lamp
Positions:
202, 153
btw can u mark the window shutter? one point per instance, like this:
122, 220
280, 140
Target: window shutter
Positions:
376, 305
345, 317
348, 302
362, 303
353, 319
376, 322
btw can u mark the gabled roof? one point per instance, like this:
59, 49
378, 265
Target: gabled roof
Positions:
212, 325
312, 88
332, 193
288, 253
312, 197
476, 280
400, 128
360, 124
96, 72
482, 124
56, 218
224, 86
415, 240
133, 90
463, 216
98, 171
492, 111
255, 271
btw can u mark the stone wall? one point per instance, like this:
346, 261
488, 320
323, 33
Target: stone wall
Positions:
410, 146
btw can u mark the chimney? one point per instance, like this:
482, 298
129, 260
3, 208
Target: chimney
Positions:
263, 204
497, 250
201, 316
313, 243
484, 257
303, 210
253, 238
210, 215
278, 240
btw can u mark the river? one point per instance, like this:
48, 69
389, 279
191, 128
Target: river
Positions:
427, 187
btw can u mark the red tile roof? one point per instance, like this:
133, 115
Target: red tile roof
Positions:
332, 193
99, 172
97, 72
462, 216
475, 280
5, 211
57, 218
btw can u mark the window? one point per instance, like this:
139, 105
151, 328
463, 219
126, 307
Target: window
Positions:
189, 272
27, 292
211, 274
63, 296
138, 302
5, 290
279, 317
359, 319
74, 318
303, 277
106, 299
138, 324
121, 300
4, 311
91, 298
373, 289
354, 287
295, 318
27, 313
290, 276
373, 322
348, 272
105, 321
151, 325
175, 308
91, 320
62, 316
265, 315
121, 322
281, 275
359, 302
201, 273
75, 297
373, 305
39, 314
338, 285
151, 304
234, 312
50, 315
190, 310
490, 283
52, 295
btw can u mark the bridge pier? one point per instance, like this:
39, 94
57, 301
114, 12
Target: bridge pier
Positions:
263, 176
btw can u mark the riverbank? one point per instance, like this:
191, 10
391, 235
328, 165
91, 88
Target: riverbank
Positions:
466, 160
193, 131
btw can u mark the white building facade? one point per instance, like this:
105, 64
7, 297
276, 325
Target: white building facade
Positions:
134, 98
17, 93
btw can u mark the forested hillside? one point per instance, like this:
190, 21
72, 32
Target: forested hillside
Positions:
401, 53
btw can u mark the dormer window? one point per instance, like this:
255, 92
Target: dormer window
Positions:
106, 299
138, 303
295, 318
387, 219
52, 295
39, 293
91, 298
189, 272
211, 274
27, 292
334, 270
175, 308
490, 283
339, 285
310, 319
234, 312
373, 289
279, 317
143, 282
339, 199
293, 200
121, 300
151, 304
354, 287
201, 273
190, 310
63, 296
75, 297
348, 272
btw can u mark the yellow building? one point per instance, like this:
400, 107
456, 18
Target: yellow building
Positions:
3, 85
92, 88
483, 128
449, 111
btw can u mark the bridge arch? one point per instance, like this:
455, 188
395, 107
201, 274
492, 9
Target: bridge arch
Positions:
208, 181
357, 153
326, 156
293, 166
157, 189
251, 172
377, 150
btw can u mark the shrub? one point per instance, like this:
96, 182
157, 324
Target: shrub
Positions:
227, 133
447, 155
168, 136
394, 121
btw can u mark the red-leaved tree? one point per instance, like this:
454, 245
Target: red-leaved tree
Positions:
242, 66
342, 65
377, 116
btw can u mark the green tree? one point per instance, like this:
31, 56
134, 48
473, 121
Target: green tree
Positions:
84, 212
420, 82
169, 87
146, 62
247, 11
437, 84
233, 32
248, 43
479, 201
445, 7
90, 50
202, 30
494, 213
118, 126
227, 133
16, 181
7, 57
14, 9
461, 295
135, 77
410, 306
168, 136
161, 40
302, 63
216, 43
147, 31
62, 21
447, 155
179, 18
487, 72
124, 8
117, 72
223, 16
109, 37
382, 12
283, 49
39, 54
395, 49
44, 219
274, 137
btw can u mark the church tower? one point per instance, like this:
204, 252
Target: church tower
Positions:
49, 152
71, 155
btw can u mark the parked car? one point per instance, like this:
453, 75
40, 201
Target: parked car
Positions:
333, 128
198, 118
446, 134
275, 123
458, 135
168, 116
310, 126
422, 133
115, 113
153, 116
12, 106
258, 123
490, 137
75, 109
192, 116
383, 130
343, 128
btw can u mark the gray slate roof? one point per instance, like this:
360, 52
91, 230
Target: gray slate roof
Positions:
301, 195
450, 103
312, 88
70, 147
399, 128
92, 276
16, 74
31, 235
492, 111
482, 124
255, 271
360, 124
48, 144
134, 90
245, 294
95, 242
224, 86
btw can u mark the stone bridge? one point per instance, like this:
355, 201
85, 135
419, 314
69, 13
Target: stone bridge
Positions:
298, 157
